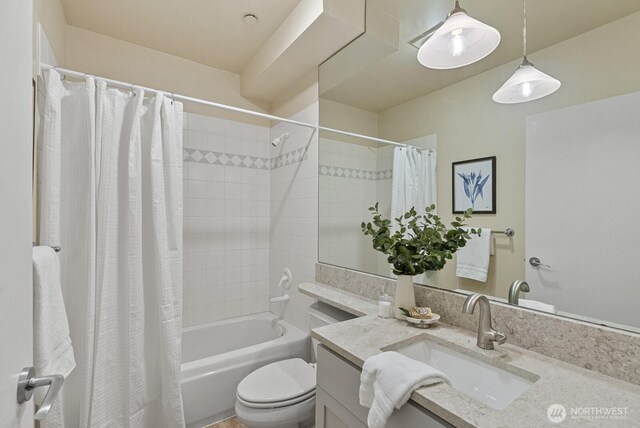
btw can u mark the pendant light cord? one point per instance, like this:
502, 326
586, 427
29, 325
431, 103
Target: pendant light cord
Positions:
525, 61
524, 28
456, 9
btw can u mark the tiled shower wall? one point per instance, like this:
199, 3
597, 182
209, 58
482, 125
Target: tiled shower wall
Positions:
226, 219
294, 214
383, 196
348, 182
251, 210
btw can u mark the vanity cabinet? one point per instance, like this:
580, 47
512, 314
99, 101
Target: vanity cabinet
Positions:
337, 404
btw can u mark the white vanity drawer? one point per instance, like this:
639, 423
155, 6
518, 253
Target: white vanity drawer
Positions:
341, 380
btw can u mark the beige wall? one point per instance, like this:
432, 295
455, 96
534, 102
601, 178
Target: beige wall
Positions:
298, 96
347, 118
599, 64
312, 32
95, 53
50, 14
115, 59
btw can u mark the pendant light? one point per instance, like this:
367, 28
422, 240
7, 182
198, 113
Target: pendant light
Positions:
460, 40
527, 83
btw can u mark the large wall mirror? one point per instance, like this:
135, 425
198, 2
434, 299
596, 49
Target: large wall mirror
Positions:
565, 166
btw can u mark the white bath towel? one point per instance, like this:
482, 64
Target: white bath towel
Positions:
53, 353
473, 258
387, 381
534, 304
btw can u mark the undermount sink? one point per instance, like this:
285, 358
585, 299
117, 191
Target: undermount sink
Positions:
489, 384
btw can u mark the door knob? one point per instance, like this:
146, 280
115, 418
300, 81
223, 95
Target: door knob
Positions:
27, 382
535, 262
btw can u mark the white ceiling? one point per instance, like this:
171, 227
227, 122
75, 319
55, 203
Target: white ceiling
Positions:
399, 77
210, 32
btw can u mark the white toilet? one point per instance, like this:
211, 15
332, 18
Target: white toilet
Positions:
283, 394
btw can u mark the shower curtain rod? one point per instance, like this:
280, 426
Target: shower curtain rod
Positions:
178, 97
366, 137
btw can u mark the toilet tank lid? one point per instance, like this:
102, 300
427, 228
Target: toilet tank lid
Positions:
277, 382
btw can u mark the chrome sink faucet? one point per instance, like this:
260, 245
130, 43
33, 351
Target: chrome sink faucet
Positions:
514, 291
486, 333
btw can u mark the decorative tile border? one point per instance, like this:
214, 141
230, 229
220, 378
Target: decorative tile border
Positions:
289, 158
358, 174
225, 159
612, 352
243, 161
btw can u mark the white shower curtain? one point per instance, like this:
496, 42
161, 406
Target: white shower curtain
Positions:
413, 186
111, 197
413, 181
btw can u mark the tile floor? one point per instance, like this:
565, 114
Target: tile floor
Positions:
228, 423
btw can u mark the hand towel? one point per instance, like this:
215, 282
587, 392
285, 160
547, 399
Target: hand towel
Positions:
53, 353
473, 258
387, 381
534, 304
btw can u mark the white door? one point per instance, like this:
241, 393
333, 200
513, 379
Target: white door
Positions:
16, 298
582, 201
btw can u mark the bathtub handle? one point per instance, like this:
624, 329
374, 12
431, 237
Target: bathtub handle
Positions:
284, 298
286, 279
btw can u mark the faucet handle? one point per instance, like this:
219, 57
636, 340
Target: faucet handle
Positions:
501, 338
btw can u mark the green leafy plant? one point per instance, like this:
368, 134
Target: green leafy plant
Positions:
420, 243
405, 312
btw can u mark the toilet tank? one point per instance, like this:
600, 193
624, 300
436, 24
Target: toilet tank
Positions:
321, 314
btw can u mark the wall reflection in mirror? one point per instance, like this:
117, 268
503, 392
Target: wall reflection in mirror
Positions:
565, 174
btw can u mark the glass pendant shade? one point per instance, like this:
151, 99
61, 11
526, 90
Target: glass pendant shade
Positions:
526, 84
460, 41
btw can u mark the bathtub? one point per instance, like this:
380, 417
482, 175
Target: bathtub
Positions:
217, 356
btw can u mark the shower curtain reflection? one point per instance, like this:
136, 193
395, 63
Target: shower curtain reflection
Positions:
413, 186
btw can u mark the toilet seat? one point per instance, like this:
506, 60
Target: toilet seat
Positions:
279, 384
276, 405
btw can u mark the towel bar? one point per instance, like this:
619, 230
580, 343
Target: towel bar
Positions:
508, 232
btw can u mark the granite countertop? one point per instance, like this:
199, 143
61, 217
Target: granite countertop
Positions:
557, 382
348, 302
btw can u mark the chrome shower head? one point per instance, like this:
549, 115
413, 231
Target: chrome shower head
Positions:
280, 139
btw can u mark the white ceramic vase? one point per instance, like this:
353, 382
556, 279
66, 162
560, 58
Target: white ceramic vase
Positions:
405, 296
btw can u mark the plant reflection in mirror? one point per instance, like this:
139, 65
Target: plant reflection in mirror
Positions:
474, 185
420, 243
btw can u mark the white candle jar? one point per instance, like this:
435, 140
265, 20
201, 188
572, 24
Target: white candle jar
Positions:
385, 307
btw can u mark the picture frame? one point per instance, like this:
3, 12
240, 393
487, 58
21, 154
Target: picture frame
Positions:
474, 185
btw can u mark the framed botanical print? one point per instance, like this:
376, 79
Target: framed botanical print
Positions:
474, 185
